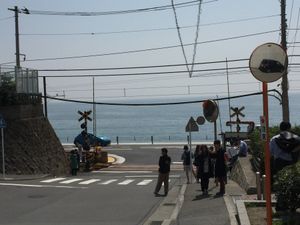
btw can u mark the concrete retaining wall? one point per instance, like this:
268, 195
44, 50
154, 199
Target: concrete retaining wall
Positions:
243, 174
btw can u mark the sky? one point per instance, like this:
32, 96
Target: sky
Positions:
228, 29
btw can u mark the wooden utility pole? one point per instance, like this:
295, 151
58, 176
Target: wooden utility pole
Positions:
284, 82
16, 10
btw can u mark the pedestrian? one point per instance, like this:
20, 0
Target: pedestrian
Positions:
220, 166
186, 160
205, 168
196, 162
73, 163
243, 149
164, 170
78, 159
283, 148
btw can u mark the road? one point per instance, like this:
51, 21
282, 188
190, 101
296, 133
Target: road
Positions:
121, 194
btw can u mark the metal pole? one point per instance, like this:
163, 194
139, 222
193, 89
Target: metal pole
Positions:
190, 143
215, 130
45, 97
267, 156
3, 156
228, 94
284, 82
94, 110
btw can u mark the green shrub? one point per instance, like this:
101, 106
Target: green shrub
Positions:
287, 187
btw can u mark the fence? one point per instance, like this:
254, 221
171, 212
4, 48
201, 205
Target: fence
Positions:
19, 86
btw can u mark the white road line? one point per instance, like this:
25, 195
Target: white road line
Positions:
123, 171
53, 180
108, 181
89, 181
38, 186
176, 163
144, 182
150, 176
125, 182
70, 181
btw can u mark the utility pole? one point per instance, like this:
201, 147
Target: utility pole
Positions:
16, 10
284, 82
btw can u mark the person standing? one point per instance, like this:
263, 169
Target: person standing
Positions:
186, 160
196, 162
243, 150
164, 170
284, 148
205, 170
220, 166
73, 163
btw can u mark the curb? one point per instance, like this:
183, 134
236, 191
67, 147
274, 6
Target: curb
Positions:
168, 210
25, 178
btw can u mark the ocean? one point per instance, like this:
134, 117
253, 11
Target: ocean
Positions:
164, 123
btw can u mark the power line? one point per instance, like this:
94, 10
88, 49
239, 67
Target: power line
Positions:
150, 49
141, 67
155, 104
180, 39
148, 30
145, 73
116, 12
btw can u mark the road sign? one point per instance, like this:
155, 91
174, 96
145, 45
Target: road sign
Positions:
268, 62
200, 120
2, 122
191, 126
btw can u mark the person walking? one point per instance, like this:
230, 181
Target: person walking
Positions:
164, 170
73, 163
205, 170
186, 160
220, 166
196, 163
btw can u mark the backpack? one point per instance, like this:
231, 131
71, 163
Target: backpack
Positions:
289, 143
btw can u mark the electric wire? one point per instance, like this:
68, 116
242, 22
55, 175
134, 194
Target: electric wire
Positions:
196, 36
180, 38
153, 104
105, 13
150, 49
148, 30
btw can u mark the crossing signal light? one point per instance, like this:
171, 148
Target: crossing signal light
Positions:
210, 110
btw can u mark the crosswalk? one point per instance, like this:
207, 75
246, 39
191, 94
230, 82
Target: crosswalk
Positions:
81, 181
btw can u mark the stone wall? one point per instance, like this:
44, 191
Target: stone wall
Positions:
243, 174
30, 143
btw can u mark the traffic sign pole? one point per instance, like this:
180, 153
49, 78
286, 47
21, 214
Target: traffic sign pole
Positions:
3, 157
267, 155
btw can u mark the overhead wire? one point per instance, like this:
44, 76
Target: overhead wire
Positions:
180, 39
150, 49
105, 13
149, 30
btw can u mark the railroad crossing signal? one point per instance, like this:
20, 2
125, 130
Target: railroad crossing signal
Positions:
85, 117
237, 112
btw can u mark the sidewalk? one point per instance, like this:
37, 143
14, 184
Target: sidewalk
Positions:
208, 209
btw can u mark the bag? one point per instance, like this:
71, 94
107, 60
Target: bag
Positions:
289, 143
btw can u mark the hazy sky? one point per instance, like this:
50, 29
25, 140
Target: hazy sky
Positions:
229, 29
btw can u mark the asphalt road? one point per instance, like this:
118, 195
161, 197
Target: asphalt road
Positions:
122, 194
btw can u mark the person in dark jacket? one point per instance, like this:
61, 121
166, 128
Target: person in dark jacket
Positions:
164, 170
205, 169
220, 166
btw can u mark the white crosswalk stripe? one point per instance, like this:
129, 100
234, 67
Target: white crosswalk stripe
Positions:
144, 182
108, 181
53, 180
70, 181
81, 181
125, 182
89, 181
